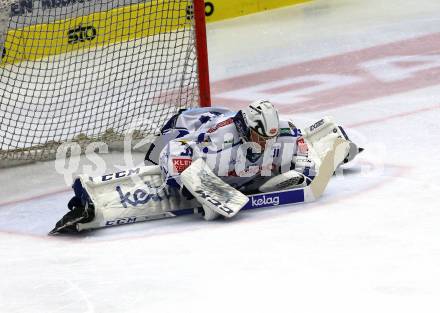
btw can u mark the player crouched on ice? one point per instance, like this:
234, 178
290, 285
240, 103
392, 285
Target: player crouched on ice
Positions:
213, 158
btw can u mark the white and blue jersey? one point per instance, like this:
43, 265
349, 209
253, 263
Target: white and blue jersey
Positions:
217, 135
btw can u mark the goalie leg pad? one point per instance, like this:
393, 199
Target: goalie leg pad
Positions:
121, 198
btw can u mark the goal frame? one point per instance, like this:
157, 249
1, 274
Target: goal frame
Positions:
196, 9
202, 53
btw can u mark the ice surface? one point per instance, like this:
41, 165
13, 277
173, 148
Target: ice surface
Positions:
371, 244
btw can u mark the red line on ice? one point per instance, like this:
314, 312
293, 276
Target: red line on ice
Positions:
399, 115
40, 196
367, 85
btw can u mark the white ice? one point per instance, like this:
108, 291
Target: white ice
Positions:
370, 244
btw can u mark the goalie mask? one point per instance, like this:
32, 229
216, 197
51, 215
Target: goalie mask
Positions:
262, 120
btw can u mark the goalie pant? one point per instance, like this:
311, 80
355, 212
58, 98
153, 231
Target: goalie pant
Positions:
215, 134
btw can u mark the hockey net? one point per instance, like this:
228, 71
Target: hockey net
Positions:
93, 70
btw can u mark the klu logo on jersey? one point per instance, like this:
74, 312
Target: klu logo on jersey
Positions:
181, 164
258, 201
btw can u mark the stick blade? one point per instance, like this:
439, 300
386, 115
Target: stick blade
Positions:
328, 166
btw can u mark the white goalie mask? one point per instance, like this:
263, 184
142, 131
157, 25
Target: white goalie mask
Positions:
262, 119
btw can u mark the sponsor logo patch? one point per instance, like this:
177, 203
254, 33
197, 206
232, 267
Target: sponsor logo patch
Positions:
221, 124
121, 221
302, 146
219, 205
316, 125
130, 172
181, 164
258, 201
285, 131
136, 197
81, 34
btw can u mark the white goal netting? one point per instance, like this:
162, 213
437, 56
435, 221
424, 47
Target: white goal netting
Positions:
91, 70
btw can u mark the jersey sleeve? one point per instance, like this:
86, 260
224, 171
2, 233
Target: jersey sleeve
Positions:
177, 155
181, 125
207, 142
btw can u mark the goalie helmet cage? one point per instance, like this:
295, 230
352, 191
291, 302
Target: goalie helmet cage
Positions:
95, 70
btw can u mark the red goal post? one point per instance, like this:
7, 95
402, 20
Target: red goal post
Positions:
202, 53
87, 73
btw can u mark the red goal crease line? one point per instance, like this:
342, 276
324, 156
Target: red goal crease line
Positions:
339, 80
35, 197
394, 116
